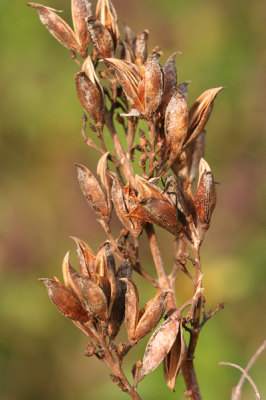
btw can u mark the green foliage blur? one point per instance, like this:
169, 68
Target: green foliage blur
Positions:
41, 353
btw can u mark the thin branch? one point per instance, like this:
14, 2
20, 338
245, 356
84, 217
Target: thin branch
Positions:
257, 395
237, 390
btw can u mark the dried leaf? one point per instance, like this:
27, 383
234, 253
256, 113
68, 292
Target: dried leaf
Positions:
64, 301
90, 97
160, 344
58, 28
176, 124
93, 192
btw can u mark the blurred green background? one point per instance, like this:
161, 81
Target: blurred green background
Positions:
41, 354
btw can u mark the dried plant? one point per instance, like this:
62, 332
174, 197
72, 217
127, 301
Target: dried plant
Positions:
101, 296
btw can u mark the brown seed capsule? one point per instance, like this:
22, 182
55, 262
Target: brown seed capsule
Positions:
170, 81
70, 279
160, 344
176, 124
176, 194
94, 298
106, 14
149, 189
100, 37
81, 11
58, 28
162, 214
205, 198
93, 192
129, 35
153, 82
91, 98
199, 114
152, 315
64, 301
131, 308
173, 361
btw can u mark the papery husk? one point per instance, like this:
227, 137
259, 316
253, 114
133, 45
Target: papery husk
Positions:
170, 81
93, 192
160, 344
105, 179
195, 153
64, 301
140, 45
148, 189
90, 97
101, 37
58, 28
173, 361
106, 14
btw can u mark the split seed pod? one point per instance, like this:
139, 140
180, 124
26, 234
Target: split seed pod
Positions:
58, 28
199, 114
170, 81
105, 179
93, 192
106, 14
173, 361
81, 11
140, 47
153, 82
160, 344
86, 258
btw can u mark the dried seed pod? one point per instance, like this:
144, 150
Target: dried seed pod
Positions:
129, 79
176, 124
152, 315
180, 168
64, 301
160, 344
148, 189
129, 35
173, 361
105, 266
118, 310
170, 81
205, 198
183, 88
176, 194
153, 82
140, 45
101, 38
81, 11
162, 213
93, 192
199, 114
58, 28
86, 258
91, 97
106, 14
195, 153
70, 279
126, 52
105, 179
131, 308
94, 298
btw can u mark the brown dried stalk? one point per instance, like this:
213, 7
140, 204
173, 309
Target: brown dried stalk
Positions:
99, 297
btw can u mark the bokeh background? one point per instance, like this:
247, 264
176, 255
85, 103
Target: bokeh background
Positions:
41, 352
